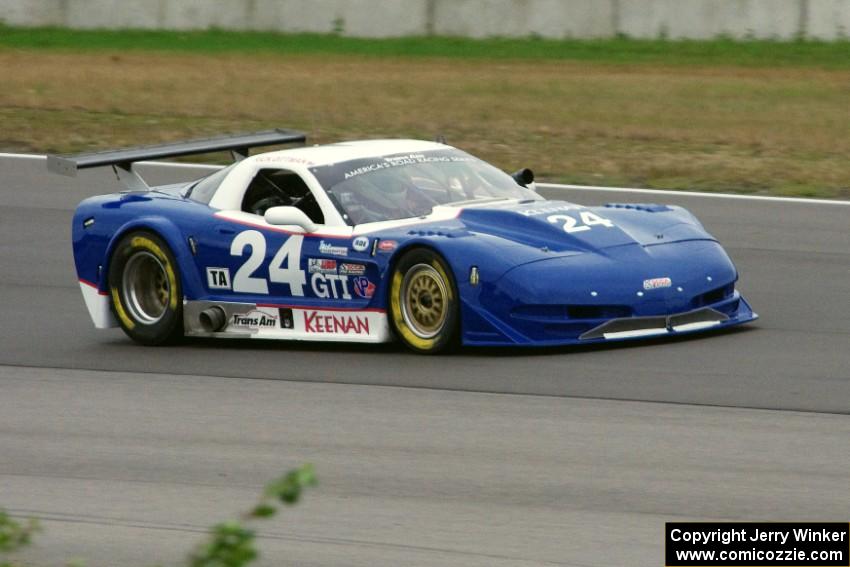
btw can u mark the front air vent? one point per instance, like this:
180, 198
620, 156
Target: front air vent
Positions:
645, 207
598, 311
714, 296
540, 312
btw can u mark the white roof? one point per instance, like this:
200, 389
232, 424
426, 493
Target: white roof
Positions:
229, 195
312, 156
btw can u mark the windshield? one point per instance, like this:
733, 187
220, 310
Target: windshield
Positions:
411, 185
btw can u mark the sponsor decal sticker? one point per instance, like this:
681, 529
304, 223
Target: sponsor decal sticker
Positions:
360, 244
328, 248
253, 320
387, 245
363, 287
402, 160
342, 323
286, 319
321, 266
346, 269
290, 159
218, 278
534, 211
409, 158
330, 285
657, 283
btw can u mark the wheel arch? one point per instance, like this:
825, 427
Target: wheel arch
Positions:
481, 251
164, 229
391, 268
410, 247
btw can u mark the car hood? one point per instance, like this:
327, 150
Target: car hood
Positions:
562, 227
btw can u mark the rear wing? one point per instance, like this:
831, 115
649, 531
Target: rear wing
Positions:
239, 145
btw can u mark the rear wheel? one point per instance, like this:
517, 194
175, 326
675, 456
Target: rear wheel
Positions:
423, 302
144, 284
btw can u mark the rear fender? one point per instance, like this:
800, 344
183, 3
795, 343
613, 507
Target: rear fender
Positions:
172, 235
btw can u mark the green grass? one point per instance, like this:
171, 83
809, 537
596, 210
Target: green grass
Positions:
614, 51
748, 117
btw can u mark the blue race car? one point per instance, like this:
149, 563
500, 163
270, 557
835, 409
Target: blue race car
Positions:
367, 241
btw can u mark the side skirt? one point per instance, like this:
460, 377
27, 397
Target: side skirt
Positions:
249, 320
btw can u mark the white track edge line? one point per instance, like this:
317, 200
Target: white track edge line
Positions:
798, 200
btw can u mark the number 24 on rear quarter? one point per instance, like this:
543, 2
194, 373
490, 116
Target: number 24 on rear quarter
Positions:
289, 254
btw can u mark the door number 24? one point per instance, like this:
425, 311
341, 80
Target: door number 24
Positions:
285, 267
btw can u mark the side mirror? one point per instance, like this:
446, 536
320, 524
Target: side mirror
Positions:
523, 177
291, 216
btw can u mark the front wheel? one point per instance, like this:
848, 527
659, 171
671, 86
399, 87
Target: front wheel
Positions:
423, 302
144, 284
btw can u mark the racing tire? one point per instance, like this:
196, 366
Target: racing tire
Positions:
423, 302
144, 285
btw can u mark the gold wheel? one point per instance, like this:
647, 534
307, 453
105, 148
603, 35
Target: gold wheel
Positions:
423, 304
424, 301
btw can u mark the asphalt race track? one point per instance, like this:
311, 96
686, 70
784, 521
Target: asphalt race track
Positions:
573, 456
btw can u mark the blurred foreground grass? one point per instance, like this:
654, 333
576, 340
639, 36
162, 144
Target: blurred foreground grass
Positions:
746, 117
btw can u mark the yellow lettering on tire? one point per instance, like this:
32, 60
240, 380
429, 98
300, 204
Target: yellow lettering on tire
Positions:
148, 244
151, 246
172, 283
119, 309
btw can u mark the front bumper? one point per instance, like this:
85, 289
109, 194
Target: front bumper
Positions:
620, 293
727, 313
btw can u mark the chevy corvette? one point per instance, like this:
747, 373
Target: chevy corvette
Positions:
377, 240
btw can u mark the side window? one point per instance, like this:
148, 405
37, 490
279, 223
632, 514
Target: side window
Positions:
203, 190
280, 188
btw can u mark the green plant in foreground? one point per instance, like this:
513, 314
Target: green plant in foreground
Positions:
230, 544
14, 535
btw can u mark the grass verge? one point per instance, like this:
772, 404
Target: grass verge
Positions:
580, 112
613, 51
